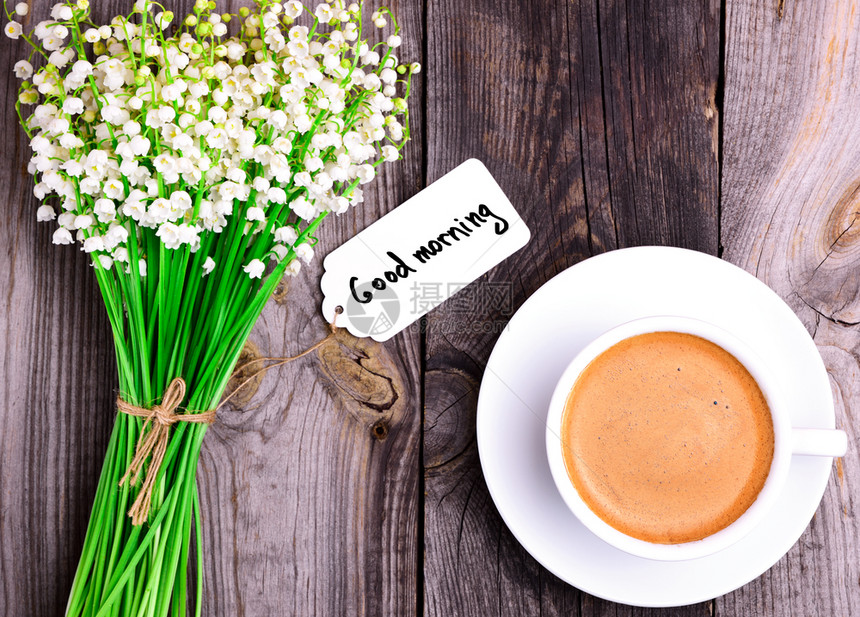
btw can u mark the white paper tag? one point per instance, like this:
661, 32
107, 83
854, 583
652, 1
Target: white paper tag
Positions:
443, 238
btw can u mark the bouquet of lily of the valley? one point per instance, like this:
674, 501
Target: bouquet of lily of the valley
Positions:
192, 160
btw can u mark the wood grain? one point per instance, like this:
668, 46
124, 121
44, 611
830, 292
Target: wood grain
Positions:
309, 488
599, 122
321, 492
790, 215
57, 384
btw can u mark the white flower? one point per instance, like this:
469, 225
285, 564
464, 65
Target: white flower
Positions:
62, 236
305, 252
115, 115
181, 201
67, 220
22, 9
84, 221
13, 31
73, 167
163, 162
255, 213
61, 58
70, 140
90, 185
365, 174
217, 139
170, 93
93, 244
276, 195
61, 12
293, 9
114, 190
277, 119
131, 128
23, 69
303, 178
234, 174
261, 185
255, 268
324, 13
116, 234
280, 251
105, 210
73, 105
166, 114
286, 235
388, 76
262, 113
217, 114
82, 68
45, 213
339, 205
293, 268
280, 169
139, 145
160, 211
171, 235
314, 163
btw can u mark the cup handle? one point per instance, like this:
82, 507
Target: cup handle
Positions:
819, 441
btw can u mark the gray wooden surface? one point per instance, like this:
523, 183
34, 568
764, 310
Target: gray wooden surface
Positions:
348, 483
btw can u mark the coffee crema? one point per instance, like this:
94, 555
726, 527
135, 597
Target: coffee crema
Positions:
667, 437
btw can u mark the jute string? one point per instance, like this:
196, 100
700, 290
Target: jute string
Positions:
153, 442
275, 362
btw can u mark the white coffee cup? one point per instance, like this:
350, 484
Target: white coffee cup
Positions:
788, 440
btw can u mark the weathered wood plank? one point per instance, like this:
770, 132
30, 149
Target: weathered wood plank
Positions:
790, 215
599, 122
57, 382
310, 488
309, 484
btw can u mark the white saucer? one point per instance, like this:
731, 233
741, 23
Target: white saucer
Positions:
529, 357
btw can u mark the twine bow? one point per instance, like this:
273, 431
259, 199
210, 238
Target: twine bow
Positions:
154, 442
162, 416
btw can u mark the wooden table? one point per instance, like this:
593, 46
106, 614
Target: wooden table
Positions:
348, 483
